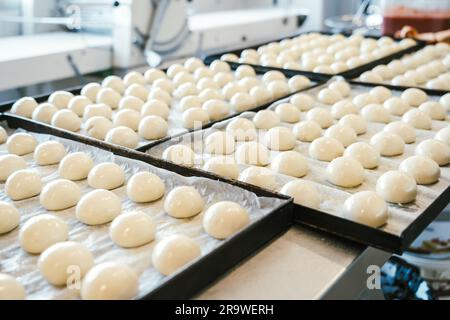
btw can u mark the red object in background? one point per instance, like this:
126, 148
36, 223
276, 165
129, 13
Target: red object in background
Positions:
396, 17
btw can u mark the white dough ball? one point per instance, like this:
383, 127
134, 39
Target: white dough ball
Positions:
132, 229
303, 192
249, 82
91, 90
42, 231
166, 84
106, 175
290, 163
252, 153
23, 184
97, 127
24, 107
78, 104
260, 177
127, 118
98, 207
404, 130
21, 144
329, 96
397, 187
10, 288
273, 76
388, 144
288, 112
160, 94
326, 149
222, 166
135, 90
435, 150
242, 102
109, 97
244, 71
443, 135
280, 139
242, 129
210, 94
344, 134
183, 202
115, 83
133, 77
123, 136
298, 82
220, 143
60, 99
59, 195
174, 69
110, 281
97, 110
423, 169
368, 208
307, 131
56, 261
223, 78
48, 153
341, 86
302, 101
445, 101
354, 121
219, 66
261, 94
44, 113
66, 119
9, 217
396, 106
186, 89
153, 128
173, 253
414, 97
195, 118
266, 119
371, 77
152, 75
193, 64
342, 108
364, 99
145, 187
366, 154
217, 109
278, 88
180, 154
224, 219
345, 172
435, 110
10, 163
381, 93
190, 102
321, 116
418, 119
376, 113
75, 166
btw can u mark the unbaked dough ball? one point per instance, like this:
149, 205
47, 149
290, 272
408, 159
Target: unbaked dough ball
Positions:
376, 113
252, 153
364, 99
152, 75
302, 101
44, 113
132, 103
42, 231
193, 64
397, 187
220, 143
342, 108
66, 119
56, 262
222, 166
290, 163
173, 253
59, 195
435, 150
109, 97
78, 104
345, 172
183, 202
97, 110
230, 89
186, 89
21, 144
181, 78
371, 77
10, 163
321, 116
145, 187
354, 121
97, 127
435, 110
195, 118
190, 102
9, 218
414, 97
388, 144
307, 131
366, 154
344, 134
266, 119
423, 169
244, 71
242, 129
23, 184
278, 88
223, 78
341, 86
260, 177
219, 66
3, 135
366, 207
404, 130
127, 118
217, 109
261, 94
75, 166
242, 101
91, 90
133, 77
298, 82
115, 83
209, 94
329, 96
180, 154
273, 76
303, 192
326, 149
60, 99
110, 281
24, 107
138, 91
132, 229
106, 175
443, 135
280, 139
160, 94
396, 106
445, 101
288, 112
418, 119
224, 219
381, 93
123, 136
153, 128
10, 288
48, 153
98, 207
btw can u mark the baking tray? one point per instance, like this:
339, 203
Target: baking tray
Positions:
395, 237
223, 255
349, 74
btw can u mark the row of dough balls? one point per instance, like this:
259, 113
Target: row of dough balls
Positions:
329, 54
428, 67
